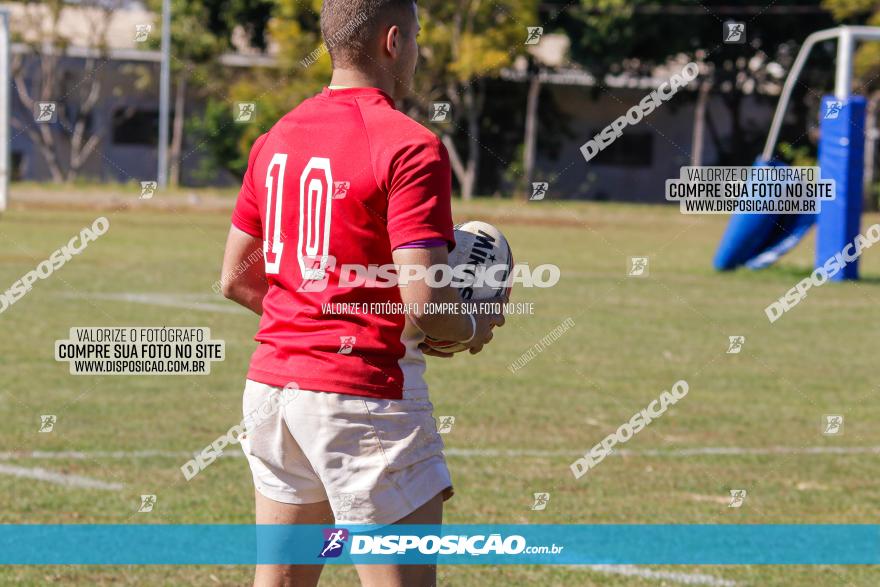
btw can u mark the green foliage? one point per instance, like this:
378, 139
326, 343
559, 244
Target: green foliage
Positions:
274, 98
202, 30
635, 33
860, 12
603, 31
226, 143
471, 39
635, 36
296, 29
252, 15
220, 137
461, 42
798, 156
849, 9
464, 44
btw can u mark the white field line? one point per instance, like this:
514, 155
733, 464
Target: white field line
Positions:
82, 456
182, 301
683, 452
473, 453
58, 478
674, 577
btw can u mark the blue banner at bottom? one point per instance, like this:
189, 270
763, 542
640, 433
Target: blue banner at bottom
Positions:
496, 544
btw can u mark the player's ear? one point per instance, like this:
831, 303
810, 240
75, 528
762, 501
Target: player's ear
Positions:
392, 41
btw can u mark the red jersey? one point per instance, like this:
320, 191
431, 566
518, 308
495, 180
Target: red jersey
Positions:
343, 179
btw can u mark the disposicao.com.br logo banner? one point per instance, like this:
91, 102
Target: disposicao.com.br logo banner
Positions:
412, 544
696, 544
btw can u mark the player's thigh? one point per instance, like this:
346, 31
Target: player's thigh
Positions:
273, 512
407, 575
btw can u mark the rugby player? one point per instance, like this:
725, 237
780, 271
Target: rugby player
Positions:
346, 178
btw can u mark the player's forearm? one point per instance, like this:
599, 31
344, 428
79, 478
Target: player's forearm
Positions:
249, 295
436, 311
243, 279
449, 325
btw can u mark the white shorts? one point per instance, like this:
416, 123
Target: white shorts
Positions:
375, 460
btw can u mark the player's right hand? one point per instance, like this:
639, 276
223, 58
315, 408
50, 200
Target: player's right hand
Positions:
486, 320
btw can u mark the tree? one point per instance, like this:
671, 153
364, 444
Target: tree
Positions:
201, 31
302, 67
465, 43
636, 36
867, 71
40, 76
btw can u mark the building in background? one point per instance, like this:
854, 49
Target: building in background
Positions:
636, 166
107, 52
123, 122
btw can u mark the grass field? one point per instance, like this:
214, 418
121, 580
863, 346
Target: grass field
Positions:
632, 339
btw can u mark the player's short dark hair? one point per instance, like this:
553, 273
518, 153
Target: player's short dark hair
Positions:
348, 26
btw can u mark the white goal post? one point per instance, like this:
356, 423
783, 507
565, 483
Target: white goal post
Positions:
847, 37
5, 84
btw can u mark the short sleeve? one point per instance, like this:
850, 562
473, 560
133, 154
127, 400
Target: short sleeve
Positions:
420, 195
246, 216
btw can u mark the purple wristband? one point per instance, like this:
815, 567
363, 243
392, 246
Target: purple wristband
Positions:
427, 243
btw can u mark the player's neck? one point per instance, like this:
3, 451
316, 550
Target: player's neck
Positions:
350, 78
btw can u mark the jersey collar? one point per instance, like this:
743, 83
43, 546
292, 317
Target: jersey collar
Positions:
352, 92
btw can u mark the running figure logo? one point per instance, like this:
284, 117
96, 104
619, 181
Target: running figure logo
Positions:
340, 189
736, 345
638, 267
148, 502
734, 33
535, 34
334, 542
539, 190
737, 498
832, 109
316, 275
148, 189
142, 32
441, 111
541, 500
47, 423
247, 111
445, 425
346, 344
344, 502
45, 112
833, 425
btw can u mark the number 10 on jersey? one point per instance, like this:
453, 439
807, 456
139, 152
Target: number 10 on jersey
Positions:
315, 216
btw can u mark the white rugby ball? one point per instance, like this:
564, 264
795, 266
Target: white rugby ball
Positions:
478, 245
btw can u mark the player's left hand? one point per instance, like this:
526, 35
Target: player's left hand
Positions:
429, 351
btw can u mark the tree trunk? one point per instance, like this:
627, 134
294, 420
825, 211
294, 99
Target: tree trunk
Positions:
454, 159
47, 85
80, 147
700, 124
531, 131
46, 143
41, 136
715, 136
734, 100
473, 106
177, 132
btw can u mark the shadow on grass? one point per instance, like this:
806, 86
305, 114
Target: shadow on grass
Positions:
790, 273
